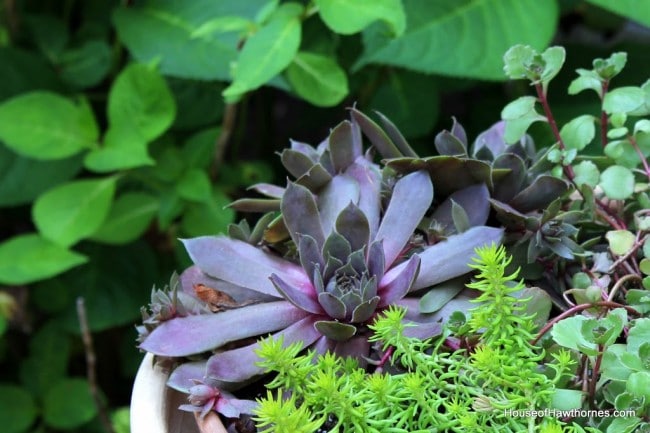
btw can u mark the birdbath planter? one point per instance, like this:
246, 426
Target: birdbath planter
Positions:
154, 406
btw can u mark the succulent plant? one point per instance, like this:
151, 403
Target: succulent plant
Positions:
350, 258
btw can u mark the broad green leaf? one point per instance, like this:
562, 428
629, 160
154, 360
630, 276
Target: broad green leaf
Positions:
44, 125
24, 71
519, 115
123, 147
568, 333
68, 404
586, 173
28, 258
638, 384
579, 132
587, 80
129, 217
208, 218
73, 211
462, 38
17, 409
631, 9
23, 179
566, 399
223, 25
49, 352
267, 52
86, 65
161, 30
351, 16
140, 99
620, 241
639, 334
612, 368
642, 126
195, 185
617, 182
410, 100
112, 298
623, 100
317, 79
623, 425
553, 61
50, 33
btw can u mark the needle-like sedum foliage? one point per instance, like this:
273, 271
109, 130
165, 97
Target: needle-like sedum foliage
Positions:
430, 387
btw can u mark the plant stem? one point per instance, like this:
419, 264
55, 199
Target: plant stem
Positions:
594, 377
619, 284
643, 159
227, 126
90, 365
603, 114
578, 308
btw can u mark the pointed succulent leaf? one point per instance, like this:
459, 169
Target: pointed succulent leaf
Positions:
301, 214
315, 178
259, 205
311, 259
260, 227
376, 262
411, 198
458, 131
334, 307
352, 224
511, 217
297, 297
196, 334
337, 246
449, 258
241, 231
460, 218
344, 147
491, 139
447, 144
437, 297
396, 136
509, 185
365, 310
355, 347
423, 331
336, 331
183, 376
242, 264
369, 288
319, 284
267, 189
400, 283
305, 149
539, 194
239, 365
368, 178
296, 162
276, 231
234, 407
334, 197
332, 264
350, 299
357, 260
377, 136
473, 200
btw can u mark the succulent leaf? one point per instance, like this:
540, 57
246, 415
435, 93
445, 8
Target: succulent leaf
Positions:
540, 193
411, 198
377, 136
301, 214
334, 197
509, 185
396, 136
369, 180
344, 145
475, 202
447, 144
336, 331
311, 259
295, 296
353, 225
396, 288
365, 310
239, 365
317, 177
332, 305
196, 334
376, 260
336, 246
242, 264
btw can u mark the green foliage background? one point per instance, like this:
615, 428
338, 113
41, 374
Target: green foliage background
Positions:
125, 125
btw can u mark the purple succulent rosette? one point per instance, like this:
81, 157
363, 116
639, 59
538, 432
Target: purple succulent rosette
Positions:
355, 256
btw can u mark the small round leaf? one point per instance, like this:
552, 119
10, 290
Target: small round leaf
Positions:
69, 404
17, 409
617, 182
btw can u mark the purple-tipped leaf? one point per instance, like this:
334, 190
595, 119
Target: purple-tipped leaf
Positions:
475, 202
540, 193
344, 149
183, 376
352, 224
259, 205
267, 189
196, 334
234, 407
336, 196
301, 214
397, 287
377, 136
411, 198
449, 258
239, 364
310, 256
338, 247
317, 177
396, 136
302, 300
296, 162
242, 264
365, 310
376, 261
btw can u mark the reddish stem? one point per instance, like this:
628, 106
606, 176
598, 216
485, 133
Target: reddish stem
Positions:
603, 115
637, 149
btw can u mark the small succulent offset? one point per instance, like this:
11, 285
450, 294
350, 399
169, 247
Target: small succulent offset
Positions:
349, 252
